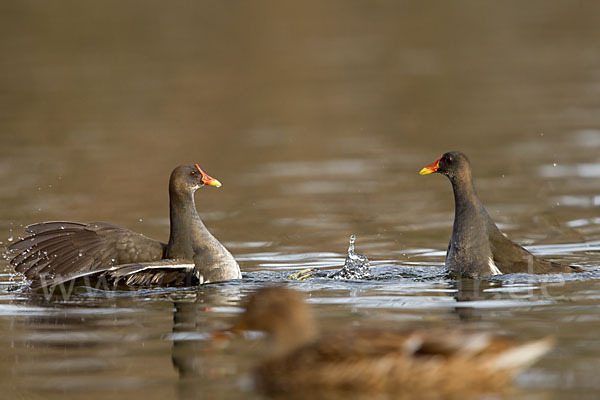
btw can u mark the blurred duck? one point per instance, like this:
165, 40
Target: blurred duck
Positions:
432, 363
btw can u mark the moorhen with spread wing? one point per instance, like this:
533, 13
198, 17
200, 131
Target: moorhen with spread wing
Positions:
58, 252
477, 247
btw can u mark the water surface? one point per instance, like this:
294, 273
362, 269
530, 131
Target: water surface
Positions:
316, 117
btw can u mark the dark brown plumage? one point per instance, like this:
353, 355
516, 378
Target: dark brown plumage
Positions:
57, 252
62, 247
434, 363
477, 247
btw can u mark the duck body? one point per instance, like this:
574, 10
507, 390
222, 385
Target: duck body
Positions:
477, 247
409, 364
57, 252
439, 362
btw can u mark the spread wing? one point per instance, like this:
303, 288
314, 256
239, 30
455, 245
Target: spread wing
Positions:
63, 248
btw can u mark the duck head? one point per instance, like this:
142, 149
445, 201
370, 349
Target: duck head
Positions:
282, 314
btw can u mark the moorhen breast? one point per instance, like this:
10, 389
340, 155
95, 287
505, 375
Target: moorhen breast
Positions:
426, 362
477, 247
57, 252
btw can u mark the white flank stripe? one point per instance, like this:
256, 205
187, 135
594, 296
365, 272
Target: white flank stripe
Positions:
493, 268
174, 266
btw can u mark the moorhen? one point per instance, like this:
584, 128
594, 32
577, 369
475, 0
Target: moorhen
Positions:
57, 252
477, 247
437, 362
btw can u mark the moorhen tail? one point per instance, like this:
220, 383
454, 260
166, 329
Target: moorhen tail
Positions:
56, 252
477, 247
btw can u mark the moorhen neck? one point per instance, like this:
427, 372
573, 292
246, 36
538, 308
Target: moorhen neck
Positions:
431, 362
55, 252
477, 247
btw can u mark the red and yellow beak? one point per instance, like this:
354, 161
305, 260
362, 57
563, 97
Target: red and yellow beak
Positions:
431, 168
207, 180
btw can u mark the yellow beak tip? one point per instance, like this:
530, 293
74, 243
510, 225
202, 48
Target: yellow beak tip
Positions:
214, 183
425, 171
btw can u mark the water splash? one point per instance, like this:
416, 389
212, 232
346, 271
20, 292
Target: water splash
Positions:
356, 266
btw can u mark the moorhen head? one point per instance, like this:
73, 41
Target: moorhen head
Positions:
189, 178
477, 247
455, 165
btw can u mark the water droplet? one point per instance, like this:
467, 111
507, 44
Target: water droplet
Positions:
141, 220
80, 254
62, 227
554, 164
10, 239
351, 246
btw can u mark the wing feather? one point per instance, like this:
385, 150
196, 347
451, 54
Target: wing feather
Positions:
69, 247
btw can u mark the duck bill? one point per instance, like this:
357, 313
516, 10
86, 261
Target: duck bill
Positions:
430, 169
208, 180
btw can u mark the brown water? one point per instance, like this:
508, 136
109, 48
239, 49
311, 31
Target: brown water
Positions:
316, 116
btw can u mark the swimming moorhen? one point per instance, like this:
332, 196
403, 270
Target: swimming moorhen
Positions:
56, 252
477, 247
431, 362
